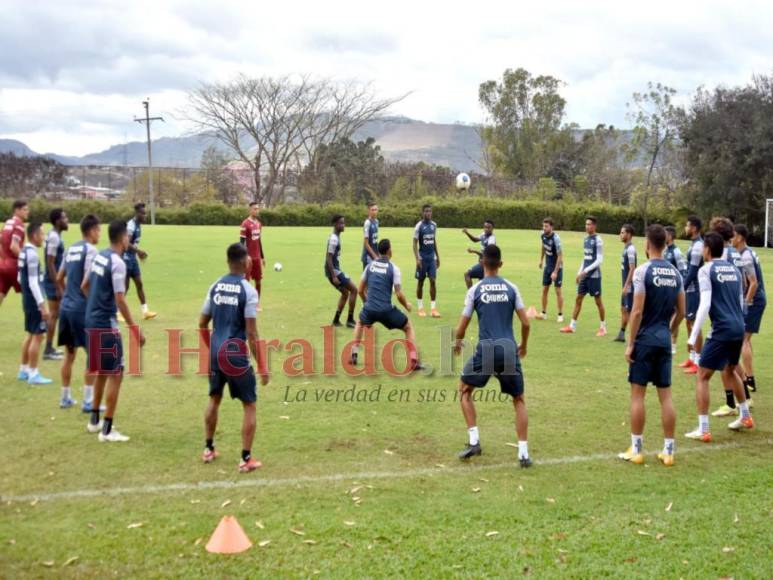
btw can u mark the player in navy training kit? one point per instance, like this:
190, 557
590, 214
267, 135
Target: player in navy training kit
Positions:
336, 276
370, 236
485, 238
132, 253
589, 277
553, 271
721, 300
232, 305
673, 255
497, 354
658, 306
427, 260
692, 229
36, 315
376, 284
72, 315
54, 254
627, 267
106, 286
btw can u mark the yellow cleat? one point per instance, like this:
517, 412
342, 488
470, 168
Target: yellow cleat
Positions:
666, 459
149, 315
725, 411
630, 456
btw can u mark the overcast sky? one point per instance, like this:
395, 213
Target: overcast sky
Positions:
73, 74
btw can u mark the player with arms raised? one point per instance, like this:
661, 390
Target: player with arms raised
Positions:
486, 238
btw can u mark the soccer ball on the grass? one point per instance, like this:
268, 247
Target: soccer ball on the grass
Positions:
278, 267
462, 182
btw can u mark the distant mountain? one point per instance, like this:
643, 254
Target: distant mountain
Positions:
16, 147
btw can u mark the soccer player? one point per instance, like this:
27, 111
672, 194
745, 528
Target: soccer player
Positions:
553, 271
756, 301
375, 290
628, 266
692, 295
589, 277
250, 235
54, 253
231, 305
722, 301
658, 301
425, 251
72, 315
673, 255
370, 236
36, 315
133, 251
336, 276
497, 353
486, 238
106, 285
11, 244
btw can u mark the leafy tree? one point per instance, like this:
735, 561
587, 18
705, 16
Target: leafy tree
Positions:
29, 176
213, 163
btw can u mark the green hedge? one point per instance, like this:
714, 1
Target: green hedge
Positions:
460, 212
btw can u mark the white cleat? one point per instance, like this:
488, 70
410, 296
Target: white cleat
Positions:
560, 318
112, 437
94, 428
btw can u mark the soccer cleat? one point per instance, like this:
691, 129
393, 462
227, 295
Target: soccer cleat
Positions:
725, 411
629, 455
602, 332
540, 316
337, 323
741, 423
350, 324
112, 437
416, 366
421, 312
67, 403
39, 379
666, 459
566, 329
691, 370
619, 338
435, 313
250, 465
94, 428
53, 355
686, 363
23, 376
525, 462
149, 315
698, 435
560, 318
470, 451
209, 455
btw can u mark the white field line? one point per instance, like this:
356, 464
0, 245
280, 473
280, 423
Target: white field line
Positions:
334, 477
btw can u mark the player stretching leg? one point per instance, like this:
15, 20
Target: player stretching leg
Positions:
722, 301
495, 300
54, 254
133, 251
628, 266
553, 271
251, 237
370, 236
692, 295
486, 238
231, 305
336, 277
589, 277
658, 301
427, 260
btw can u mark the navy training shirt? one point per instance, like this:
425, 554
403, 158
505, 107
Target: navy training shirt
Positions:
721, 280
661, 284
381, 276
495, 300
77, 263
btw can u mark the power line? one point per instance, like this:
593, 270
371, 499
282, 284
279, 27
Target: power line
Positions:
147, 121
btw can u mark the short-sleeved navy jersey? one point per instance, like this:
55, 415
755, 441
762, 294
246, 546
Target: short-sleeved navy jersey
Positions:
381, 276
425, 232
750, 261
230, 302
487, 240
495, 300
77, 263
30, 277
333, 247
721, 281
694, 263
54, 247
592, 247
661, 284
552, 246
673, 255
134, 229
106, 278
370, 231
628, 262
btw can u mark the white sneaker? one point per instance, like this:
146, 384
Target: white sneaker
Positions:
112, 437
699, 435
94, 428
540, 316
560, 318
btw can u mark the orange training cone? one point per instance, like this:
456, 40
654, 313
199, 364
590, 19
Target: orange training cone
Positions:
228, 538
531, 312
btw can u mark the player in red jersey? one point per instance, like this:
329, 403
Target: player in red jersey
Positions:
11, 243
250, 237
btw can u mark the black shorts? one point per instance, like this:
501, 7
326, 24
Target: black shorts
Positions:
502, 363
716, 354
242, 386
393, 318
651, 364
72, 329
692, 301
753, 318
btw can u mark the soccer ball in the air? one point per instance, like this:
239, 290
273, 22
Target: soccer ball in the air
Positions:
462, 182
278, 267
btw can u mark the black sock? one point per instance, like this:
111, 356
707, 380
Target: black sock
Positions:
746, 391
94, 416
49, 346
560, 313
350, 318
622, 331
210, 444
107, 426
337, 317
751, 384
544, 312
246, 454
730, 399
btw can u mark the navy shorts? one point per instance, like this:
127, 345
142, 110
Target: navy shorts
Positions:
753, 318
626, 301
49, 288
243, 387
692, 301
590, 286
428, 269
105, 351
651, 364
33, 321
502, 363
72, 329
717, 354
343, 282
391, 319
547, 281
133, 268
476, 272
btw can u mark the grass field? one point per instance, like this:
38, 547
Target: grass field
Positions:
579, 512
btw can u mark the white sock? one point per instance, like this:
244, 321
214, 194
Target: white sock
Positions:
24, 369
420, 302
32, 372
573, 324
703, 423
697, 359
744, 408
604, 324
668, 446
523, 450
637, 443
144, 308
66, 393
432, 304
474, 436
88, 393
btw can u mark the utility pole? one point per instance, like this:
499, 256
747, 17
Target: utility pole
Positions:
147, 120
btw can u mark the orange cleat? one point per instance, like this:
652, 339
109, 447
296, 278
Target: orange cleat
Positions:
686, 363
692, 369
666, 459
567, 329
601, 331
699, 436
435, 313
250, 465
209, 455
422, 313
